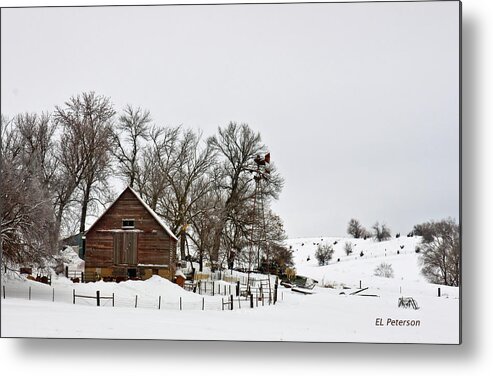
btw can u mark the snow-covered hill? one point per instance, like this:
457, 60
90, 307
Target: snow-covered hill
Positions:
349, 270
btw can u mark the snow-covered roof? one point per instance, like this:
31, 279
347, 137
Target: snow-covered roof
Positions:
147, 207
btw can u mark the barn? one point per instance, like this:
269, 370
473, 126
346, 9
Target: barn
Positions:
129, 241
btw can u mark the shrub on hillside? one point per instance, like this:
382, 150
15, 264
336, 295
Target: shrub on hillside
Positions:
324, 254
348, 248
384, 270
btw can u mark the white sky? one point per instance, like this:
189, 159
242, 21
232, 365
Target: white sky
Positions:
358, 103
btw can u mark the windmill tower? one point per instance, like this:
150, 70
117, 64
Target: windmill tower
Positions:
261, 174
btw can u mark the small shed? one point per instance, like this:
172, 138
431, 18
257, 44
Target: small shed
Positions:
129, 241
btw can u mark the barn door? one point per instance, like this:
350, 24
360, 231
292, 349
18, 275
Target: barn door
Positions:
125, 248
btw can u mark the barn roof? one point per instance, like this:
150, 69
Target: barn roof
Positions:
147, 207
153, 213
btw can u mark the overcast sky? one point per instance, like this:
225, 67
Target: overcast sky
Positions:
358, 103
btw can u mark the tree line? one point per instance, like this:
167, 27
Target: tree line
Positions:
57, 169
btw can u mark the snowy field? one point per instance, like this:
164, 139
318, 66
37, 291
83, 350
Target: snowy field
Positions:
329, 314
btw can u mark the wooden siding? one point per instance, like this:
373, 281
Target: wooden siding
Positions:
153, 244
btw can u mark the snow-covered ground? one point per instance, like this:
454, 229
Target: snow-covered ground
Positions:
330, 314
320, 317
352, 269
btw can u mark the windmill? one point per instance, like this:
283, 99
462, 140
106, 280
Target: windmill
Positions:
261, 172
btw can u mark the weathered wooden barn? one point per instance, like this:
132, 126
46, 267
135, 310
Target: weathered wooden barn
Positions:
129, 241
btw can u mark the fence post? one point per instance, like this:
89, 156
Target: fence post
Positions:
212, 288
238, 288
113, 299
159, 305
73, 292
3, 291
203, 303
222, 303
439, 292
225, 290
275, 290
29, 292
82, 276
180, 304
53, 296
66, 272
98, 298
360, 284
251, 300
231, 297
136, 301
239, 303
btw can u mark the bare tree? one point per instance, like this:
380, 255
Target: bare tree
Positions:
201, 234
131, 129
240, 244
68, 174
87, 130
381, 232
355, 229
152, 177
188, 180
235, 243
272, 242
56, 163
26, 215
38, 142
237, 146
440, 255
425, 230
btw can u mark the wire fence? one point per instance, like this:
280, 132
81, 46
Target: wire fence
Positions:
177, 303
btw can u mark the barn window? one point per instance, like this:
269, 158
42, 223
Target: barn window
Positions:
128, 223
